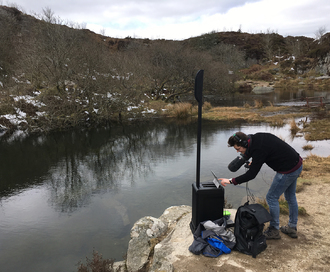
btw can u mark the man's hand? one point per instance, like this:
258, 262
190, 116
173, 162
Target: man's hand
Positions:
224, 181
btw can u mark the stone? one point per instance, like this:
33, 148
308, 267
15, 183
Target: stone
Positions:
262, 90
157, 244
143, 235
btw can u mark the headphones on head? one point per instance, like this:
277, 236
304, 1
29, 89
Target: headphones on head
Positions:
240, 141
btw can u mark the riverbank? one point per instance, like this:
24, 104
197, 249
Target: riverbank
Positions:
307, 253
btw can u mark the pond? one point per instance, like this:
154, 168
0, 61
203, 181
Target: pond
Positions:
66, 194
280, 97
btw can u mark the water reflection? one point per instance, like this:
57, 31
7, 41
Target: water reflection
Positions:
66, 193
280, 97
124, 158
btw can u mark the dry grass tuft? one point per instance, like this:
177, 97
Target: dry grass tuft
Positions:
293, 127
276, 121
307, 147
180, 110
317, 165
207, 106
231, 114
258, 104
317, 130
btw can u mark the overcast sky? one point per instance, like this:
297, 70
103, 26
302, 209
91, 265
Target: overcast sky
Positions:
181, 19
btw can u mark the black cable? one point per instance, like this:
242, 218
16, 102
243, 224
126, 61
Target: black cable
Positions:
249, 195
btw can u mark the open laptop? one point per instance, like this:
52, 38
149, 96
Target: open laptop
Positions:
215, 180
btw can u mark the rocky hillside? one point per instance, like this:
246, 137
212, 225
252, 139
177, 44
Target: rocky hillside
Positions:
260, 47
57, 75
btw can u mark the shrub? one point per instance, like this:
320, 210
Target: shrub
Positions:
97, 264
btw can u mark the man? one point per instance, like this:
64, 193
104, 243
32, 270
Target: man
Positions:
282, 158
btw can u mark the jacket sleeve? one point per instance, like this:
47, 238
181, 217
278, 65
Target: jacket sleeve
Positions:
258, 160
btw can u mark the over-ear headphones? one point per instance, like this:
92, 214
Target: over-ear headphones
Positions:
240, 141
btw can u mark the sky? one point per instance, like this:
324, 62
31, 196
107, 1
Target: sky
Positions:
182, 19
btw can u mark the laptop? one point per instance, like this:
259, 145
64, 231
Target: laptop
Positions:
215, 180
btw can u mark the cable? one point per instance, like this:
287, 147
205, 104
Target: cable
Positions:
249, 195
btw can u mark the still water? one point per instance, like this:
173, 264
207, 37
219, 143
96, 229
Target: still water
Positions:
65, 194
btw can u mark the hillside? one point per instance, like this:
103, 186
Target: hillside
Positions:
56, 75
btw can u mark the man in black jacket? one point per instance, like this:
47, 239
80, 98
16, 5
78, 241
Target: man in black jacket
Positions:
285, 161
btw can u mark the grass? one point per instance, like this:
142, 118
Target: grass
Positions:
317, 130
294, 127
180, 110
284, 207
275, 116
308, 147
272, 115
316, 169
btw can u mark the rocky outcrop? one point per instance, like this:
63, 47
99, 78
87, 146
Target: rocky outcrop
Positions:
158, 244
323, 65
148, 240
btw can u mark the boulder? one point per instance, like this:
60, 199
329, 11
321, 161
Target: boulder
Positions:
263, 90
147, 232
143, 235
158, 244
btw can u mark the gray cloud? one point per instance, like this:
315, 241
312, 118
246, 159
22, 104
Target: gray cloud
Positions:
175, 19
138, 8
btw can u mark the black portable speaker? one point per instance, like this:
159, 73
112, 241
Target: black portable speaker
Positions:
207, 199
207, 203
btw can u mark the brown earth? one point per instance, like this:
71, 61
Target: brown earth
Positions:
309, 252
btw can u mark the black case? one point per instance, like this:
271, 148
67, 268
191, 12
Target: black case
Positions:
207, 203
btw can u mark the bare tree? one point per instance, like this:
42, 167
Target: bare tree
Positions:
320, 32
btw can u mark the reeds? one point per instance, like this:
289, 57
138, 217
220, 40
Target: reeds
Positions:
294, 127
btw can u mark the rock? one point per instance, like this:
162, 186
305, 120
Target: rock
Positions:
173, 214
143, 235
323, 77
146, 233
173, 247
157, 244
262, 90
119, 266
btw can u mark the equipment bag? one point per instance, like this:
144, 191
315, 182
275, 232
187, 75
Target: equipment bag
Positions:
248, 229
212, 239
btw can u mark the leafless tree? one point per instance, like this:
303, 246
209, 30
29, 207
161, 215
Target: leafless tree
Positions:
320, 32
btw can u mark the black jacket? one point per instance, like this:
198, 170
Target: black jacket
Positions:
269, 149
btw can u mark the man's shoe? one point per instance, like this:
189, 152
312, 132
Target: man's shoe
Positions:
272, 233
292, 232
